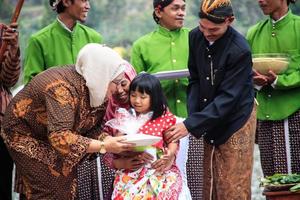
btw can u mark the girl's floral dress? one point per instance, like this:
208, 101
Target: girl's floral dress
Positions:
145, 183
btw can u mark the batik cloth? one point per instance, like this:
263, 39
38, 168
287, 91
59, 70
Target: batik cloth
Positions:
228, 167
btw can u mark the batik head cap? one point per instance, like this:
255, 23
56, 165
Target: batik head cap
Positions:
216, 10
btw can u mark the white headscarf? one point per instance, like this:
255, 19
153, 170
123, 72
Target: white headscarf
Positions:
99, 65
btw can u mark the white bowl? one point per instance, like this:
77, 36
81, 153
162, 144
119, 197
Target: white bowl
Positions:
142, 139
276, 64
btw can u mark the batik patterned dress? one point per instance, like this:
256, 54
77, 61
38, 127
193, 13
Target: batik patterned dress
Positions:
145, 183
47, 128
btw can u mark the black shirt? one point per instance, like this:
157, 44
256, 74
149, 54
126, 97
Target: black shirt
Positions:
220, 91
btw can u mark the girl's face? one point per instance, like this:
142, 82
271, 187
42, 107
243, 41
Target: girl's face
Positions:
141, 102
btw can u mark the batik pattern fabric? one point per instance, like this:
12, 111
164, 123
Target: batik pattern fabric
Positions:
9, 75
47, 129
88, 183
228, 167
145, 183
107, 177
273, 148
194, 166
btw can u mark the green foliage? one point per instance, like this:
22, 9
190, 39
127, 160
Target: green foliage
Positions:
284, 180
5, 10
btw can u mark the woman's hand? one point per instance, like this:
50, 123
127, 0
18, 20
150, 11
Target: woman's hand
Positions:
117, 144
165, 162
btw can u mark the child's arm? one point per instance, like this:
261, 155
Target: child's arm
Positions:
173, 148
167, 160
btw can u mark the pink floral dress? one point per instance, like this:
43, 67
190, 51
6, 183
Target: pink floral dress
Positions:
145, 183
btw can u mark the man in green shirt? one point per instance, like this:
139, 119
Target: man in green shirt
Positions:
59, 42
278, 133
165, 49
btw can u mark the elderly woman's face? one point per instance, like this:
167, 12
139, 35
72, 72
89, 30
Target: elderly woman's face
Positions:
122, 93
114, 84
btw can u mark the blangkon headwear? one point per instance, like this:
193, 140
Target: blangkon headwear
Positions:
216, 10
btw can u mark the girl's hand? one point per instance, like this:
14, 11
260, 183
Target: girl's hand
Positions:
128, 163
117, 144
165, 162
133, 163
145, 157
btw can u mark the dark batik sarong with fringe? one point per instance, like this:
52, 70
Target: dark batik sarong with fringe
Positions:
95, 180
279, 145
194, 167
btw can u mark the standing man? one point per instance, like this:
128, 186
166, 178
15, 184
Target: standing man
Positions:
166, 49
9, 75
220, 102
278, 133
59, 42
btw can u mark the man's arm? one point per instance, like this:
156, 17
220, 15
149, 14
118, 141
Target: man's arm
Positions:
10, 67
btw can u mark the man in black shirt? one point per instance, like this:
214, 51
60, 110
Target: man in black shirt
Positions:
220, 102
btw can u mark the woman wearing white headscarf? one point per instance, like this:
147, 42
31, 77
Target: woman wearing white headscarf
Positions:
54, 123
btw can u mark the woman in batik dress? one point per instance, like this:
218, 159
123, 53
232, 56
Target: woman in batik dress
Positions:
54, 123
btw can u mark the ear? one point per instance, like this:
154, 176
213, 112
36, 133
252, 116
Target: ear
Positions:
157, 12
230, 20
67, 3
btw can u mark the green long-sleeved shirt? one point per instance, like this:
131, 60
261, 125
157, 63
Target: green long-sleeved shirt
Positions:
54, 45
281, 37
164, 50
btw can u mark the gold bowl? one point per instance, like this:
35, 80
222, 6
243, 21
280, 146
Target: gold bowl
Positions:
263, 63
